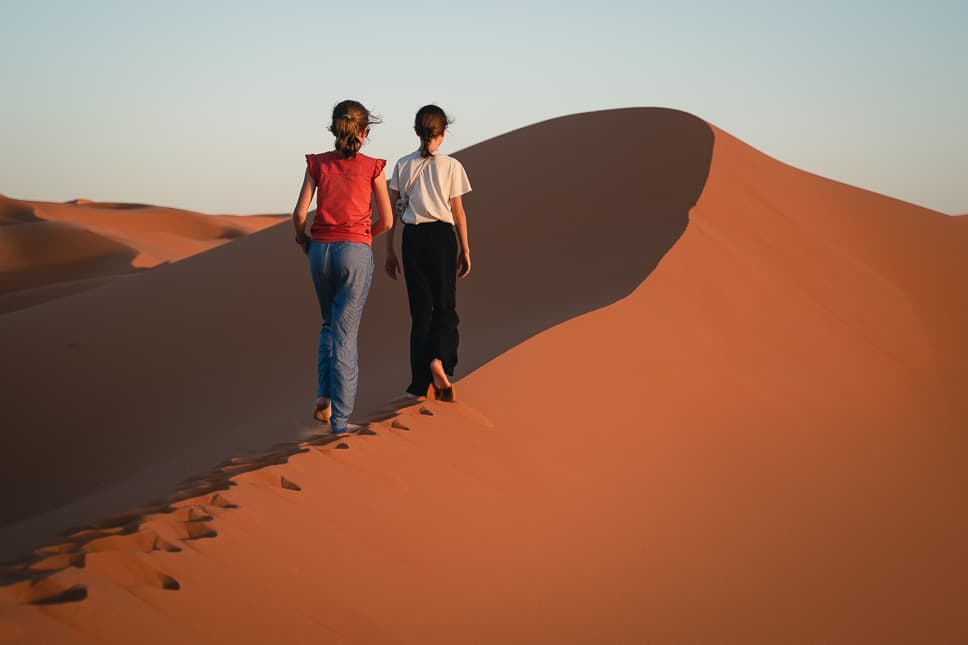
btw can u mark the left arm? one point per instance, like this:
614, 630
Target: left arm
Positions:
301, 211
460, 223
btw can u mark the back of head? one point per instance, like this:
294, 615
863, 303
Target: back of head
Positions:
350, 121
431, 122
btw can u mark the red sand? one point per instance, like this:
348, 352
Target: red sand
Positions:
762, 443
81, 244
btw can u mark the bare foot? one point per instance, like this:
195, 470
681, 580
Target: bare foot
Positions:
324, 410
443, 389
440, 376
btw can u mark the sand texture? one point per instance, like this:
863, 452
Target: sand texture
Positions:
706, 398
49, 250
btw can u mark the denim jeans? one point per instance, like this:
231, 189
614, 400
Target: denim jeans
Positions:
341, 273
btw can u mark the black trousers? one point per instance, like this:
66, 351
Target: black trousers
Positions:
430, 269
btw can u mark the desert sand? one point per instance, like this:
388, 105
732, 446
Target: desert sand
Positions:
705, 397
49, 250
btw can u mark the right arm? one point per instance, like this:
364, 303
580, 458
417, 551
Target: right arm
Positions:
392, 265
301, 211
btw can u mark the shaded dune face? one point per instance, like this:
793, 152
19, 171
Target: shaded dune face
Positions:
570, 215
566, 216
13, 211
169, 372
51, 250
37, 254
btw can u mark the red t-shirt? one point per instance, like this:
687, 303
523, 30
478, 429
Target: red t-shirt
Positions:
343, 191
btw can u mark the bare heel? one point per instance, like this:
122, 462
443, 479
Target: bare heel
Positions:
446, 394
324, 411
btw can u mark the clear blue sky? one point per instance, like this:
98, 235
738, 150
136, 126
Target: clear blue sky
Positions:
211, 105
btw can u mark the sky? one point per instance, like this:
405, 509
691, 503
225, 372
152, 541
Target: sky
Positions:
212, 105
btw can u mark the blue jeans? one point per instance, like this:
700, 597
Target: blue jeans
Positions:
341, 272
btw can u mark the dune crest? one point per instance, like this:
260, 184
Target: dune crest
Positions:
49, 249
720, 400
14, 211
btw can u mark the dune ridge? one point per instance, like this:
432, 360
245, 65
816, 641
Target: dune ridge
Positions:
81, 244
750, 431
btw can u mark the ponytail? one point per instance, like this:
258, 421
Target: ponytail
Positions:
431, 122
351, 120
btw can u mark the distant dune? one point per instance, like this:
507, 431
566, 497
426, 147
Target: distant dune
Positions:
713, 398
48, 250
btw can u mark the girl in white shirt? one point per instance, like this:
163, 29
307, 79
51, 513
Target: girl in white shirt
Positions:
435, 252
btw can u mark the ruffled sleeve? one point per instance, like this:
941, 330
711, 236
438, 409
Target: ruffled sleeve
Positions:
378, 167
312, 164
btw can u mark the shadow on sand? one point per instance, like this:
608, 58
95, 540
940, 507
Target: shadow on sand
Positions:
112, 396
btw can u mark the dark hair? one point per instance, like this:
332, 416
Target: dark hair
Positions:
431, 122
350, 120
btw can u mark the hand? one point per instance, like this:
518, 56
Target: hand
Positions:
303, 242
464, 264
392, 265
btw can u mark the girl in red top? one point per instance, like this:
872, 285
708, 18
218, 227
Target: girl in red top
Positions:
340, 257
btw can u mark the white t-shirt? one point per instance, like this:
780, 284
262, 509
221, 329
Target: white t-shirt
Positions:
440, 181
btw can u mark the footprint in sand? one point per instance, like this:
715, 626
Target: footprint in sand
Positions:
129, 569
59, 562
181, 531
194, 531
199, 486
220, 501
280, 455
426, 412
43, 587
399, 426
52, 591
270, 479
193, 513
144, 541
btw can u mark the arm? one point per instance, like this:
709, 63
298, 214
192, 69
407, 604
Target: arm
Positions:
384, 220
300, 212
392, 265
460, 223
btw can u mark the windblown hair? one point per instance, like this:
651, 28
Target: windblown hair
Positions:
350, 120
430, 123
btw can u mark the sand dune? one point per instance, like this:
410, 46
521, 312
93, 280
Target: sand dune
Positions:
37, 254
733, 420
49, 250
13, 211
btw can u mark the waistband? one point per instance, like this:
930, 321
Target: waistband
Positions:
435, 224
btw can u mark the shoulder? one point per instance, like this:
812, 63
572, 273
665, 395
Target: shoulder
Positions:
320, 158
408, 158
373, 165
314, 164
447, 161
450, 163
